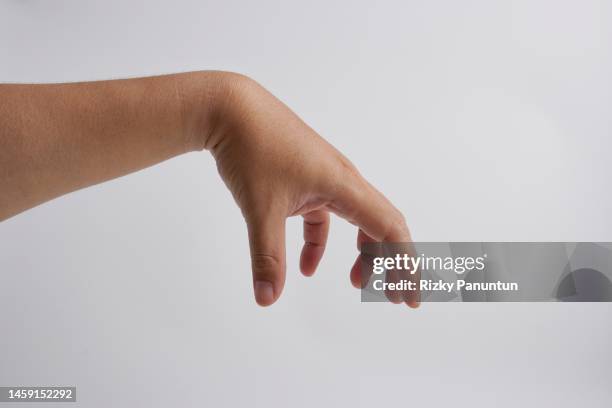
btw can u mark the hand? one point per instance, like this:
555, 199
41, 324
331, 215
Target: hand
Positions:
276, 167
58, 138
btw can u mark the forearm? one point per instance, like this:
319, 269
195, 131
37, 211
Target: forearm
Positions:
57, 138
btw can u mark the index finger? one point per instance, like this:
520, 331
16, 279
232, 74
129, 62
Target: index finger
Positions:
358, 202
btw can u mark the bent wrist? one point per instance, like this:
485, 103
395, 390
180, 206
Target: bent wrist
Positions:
209, 98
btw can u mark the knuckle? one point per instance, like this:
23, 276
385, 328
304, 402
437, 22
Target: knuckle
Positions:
256, 207
401, 220
265, 265
395, 226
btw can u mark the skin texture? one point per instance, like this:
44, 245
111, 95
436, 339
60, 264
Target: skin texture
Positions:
57, 138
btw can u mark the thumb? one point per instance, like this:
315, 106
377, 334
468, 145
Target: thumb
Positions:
267, 244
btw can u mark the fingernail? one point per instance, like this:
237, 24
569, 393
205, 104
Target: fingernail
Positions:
264, 293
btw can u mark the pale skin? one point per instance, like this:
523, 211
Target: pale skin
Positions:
58, 138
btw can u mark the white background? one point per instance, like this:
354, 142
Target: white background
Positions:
481, 120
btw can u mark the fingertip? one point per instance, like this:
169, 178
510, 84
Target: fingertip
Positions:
413, 304
310, 258
396, 300
355, 274
264, 293
307, 272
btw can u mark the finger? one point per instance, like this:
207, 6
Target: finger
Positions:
355, 275
361, 276
379, 221
267, 244
316, 230
361, 204
394, 296
393, 275
363, 268
410, 297
413, 297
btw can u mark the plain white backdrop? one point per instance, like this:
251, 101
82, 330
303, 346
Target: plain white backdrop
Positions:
481, 120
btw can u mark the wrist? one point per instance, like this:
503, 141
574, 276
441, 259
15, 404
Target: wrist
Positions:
209, 98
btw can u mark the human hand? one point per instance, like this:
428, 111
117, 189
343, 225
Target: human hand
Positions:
277, 167
273, 163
